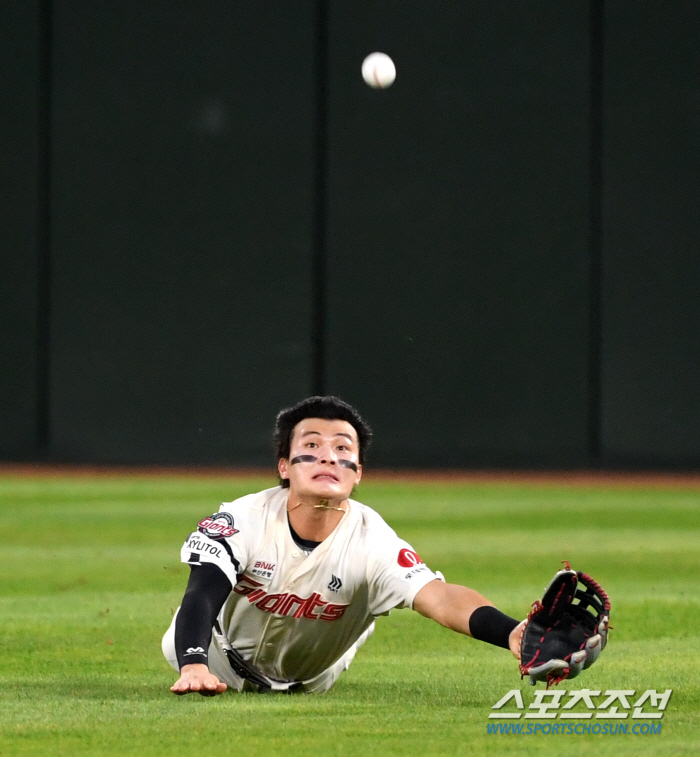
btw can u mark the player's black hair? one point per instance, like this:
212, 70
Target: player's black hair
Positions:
328, 408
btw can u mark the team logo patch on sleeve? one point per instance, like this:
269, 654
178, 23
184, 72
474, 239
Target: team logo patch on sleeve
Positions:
408, 558
217, 526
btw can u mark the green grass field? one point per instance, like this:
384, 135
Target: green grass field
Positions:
91, 576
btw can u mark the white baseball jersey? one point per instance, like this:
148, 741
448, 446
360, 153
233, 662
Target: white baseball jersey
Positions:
294, 614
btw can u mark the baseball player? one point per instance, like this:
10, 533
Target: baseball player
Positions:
285, 585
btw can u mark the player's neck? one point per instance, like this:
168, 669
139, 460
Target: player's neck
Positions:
315, 518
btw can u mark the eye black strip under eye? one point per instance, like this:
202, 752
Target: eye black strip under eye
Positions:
303, 459
312, 459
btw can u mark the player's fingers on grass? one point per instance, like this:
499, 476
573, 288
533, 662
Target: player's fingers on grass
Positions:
184, 687
213, 687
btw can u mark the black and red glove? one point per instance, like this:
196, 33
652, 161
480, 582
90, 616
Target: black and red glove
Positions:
566, 630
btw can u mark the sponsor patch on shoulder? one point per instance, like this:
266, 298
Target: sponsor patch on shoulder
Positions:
217, 526
408, 558
415, 571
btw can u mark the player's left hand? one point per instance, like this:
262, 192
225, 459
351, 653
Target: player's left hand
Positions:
515, 638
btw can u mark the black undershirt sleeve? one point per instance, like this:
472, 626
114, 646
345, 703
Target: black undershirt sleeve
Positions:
207, 590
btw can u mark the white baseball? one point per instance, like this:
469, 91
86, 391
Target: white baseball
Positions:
378, 70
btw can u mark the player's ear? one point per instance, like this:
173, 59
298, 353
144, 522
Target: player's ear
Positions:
283, 467
359, 475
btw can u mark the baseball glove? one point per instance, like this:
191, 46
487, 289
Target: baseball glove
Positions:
565, 631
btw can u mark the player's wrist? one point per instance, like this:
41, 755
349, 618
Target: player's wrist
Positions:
515, 638
194, 667
488, 624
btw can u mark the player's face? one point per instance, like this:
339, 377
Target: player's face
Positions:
323, 459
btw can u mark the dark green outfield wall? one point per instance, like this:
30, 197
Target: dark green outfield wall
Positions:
458, 209
651, 274
21, 183
182, 231
208, 216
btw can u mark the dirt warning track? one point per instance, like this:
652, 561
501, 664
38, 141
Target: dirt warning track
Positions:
606, 479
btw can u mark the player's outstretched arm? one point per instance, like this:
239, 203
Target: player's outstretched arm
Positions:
450, 605
466, 611
197, 678
207, 590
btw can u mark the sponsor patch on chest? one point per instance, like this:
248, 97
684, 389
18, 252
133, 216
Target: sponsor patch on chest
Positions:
263, 569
